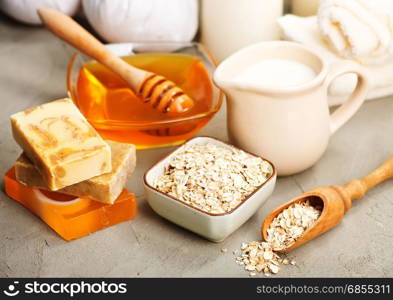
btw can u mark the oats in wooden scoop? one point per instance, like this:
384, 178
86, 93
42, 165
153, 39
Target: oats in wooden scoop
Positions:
291, 223
283, 231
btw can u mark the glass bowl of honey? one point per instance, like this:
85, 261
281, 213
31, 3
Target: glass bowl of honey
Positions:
119, 114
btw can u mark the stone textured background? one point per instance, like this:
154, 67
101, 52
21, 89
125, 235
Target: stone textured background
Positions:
32, 71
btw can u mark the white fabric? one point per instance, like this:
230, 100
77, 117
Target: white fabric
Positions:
306, 31
26, 10
358, 29
120, 21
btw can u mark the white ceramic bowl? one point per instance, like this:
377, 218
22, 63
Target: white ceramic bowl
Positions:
214, 227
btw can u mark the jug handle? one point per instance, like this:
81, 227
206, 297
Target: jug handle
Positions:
343, 113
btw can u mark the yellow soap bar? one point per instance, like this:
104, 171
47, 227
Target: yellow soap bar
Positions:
60, 142
105, 188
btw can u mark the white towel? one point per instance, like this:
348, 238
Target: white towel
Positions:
361, 30
306, 31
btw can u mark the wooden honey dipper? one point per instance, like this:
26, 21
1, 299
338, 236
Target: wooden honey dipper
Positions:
160, 92
335, 201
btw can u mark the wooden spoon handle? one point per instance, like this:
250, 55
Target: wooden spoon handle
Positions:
358, 187
71, 32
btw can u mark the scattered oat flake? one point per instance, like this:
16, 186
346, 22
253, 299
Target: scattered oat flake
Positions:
259, 257
268, 255
213, 178
274, 268
224, 250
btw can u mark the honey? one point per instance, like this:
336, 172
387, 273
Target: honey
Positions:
119, 114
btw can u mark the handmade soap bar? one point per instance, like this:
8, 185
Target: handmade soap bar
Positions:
104, 188
70, 217
60, 142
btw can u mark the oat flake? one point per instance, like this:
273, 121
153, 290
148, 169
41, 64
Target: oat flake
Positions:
213, 178
290, 224
283, 231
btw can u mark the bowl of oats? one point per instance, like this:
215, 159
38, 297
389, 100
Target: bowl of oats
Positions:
209, 187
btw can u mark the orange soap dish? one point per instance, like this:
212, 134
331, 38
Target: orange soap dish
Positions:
70, 217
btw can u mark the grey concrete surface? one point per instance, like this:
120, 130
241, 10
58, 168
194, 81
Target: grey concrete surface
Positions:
32, 71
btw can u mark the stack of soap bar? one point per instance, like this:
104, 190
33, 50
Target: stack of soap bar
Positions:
66, 170
60, 142
104, 188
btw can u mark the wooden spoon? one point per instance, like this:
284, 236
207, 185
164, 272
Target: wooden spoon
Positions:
160, 92
335, 201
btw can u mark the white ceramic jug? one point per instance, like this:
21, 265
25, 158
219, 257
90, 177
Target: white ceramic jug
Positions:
229, 25
290, 126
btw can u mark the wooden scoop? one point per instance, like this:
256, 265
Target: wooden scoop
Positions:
160, 92
335, 201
